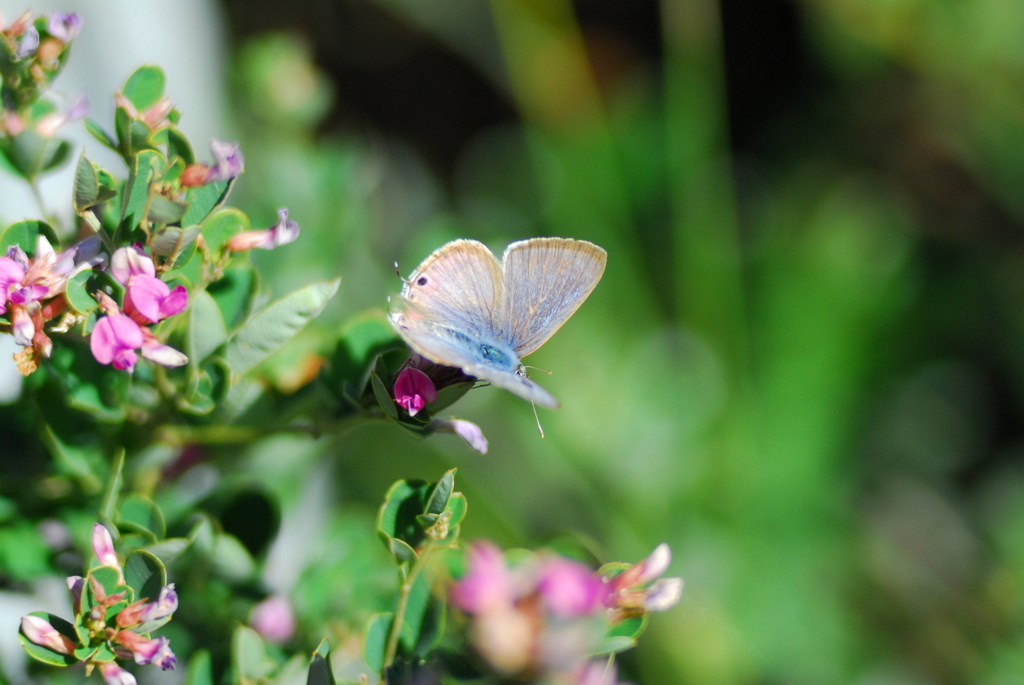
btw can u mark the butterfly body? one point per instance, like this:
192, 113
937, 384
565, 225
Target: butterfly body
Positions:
463, 308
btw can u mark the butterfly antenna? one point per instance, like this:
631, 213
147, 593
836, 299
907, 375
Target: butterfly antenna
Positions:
537, 417
399, 273
537, 368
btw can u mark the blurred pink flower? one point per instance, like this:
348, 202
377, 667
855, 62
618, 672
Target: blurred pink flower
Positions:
414, 390
569, 588
115, 675
281, 233
103, 548
633, 592
64, 26
274, 619
149, 300
227, 161
487, 584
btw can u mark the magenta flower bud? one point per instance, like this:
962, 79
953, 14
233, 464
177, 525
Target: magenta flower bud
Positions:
227, 162
281, 233
29, 294
39, 631
146, 651
468, 431
127, 262
151, 300
115, 675
487, 585
274, 619
11, 275
414, 390
569, 588
114, 340
64, 27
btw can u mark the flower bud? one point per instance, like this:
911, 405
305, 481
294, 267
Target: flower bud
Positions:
39, 631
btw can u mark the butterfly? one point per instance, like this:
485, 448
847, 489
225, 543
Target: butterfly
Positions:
463, 308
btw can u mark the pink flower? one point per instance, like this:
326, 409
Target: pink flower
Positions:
64, 27
50, 124
468, 431
149, 300
103, 548
281, 233
114, 340
414, 390
127, 262
274, 619
227, 162
155, 117
11, 275
487, 585
569, 588
148, 651
147, 612
633, 592
39, 631
75, 585
115, 675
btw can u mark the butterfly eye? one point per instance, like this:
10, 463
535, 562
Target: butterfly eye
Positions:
422, 280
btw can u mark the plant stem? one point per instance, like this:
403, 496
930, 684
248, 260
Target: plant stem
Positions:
403, 601
38, 195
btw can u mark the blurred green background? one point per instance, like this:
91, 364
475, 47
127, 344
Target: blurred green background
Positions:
804, 368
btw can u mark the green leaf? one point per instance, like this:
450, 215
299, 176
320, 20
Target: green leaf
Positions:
82, 462
44, 654
401, 551
249, 655
145, 87
320, 672
82, 286
87, 184
377, 630
115, 481
25, 234
448, 396
172, 240
234, 293
380, 391
198, 397
275, 325
206, 329
179, 146
231, 560
457, 506
168, 550
622, 635
163, 210
141, 514
31, 154
97, 132
396, 518
221, 225
145, 574
438, 500
200, 669
204, 199
146, 166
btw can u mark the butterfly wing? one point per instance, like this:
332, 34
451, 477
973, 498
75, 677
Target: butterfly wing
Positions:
546, 280
458, 286
476, 357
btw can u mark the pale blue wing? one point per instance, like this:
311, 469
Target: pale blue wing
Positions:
486, 359
459, 286
546, 280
